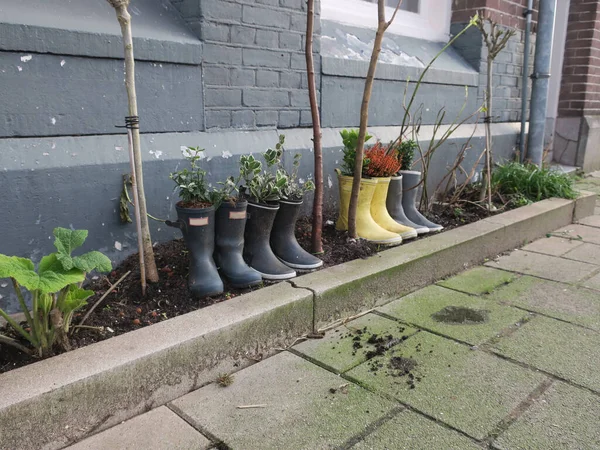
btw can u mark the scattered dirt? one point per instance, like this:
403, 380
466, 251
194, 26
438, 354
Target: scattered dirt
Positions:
403, 365
460, 315
183, 204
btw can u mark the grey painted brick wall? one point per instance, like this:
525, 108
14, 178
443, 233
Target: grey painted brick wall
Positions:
254, 65
507, 70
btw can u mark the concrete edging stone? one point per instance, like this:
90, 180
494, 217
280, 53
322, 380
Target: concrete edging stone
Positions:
61, 400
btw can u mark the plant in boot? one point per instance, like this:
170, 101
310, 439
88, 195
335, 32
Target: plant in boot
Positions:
350, 140
381, 164
262, 186
193, 188
405, 151
55, 292
295, 188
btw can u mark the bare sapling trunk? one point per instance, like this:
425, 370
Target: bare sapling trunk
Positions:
495, 40
317, 219
124, 19
382, 26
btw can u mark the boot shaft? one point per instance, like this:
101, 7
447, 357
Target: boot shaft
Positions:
230, 223
260, 221
394, 197
410, 179
287, 215
197, 226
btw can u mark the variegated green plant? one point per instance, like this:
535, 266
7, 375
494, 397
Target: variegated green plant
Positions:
55, 291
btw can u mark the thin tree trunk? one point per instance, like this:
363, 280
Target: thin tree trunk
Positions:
486, 186
125, 21
317, 220
382, 25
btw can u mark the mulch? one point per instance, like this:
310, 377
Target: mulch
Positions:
125, 309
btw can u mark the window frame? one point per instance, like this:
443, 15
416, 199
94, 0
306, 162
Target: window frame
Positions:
431, 23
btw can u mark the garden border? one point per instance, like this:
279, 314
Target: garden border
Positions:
58, 401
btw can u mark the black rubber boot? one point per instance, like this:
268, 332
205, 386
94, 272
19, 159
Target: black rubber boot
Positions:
198, 228
230, 223
283, 239
257, 251
409, 200
393, 204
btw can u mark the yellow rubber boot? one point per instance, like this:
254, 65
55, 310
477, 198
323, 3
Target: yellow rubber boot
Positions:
366, 227
345, 184
382, 216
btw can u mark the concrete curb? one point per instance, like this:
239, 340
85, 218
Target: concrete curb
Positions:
58, 401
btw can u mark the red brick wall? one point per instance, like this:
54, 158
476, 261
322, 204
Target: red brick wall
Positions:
505, 12
580, 87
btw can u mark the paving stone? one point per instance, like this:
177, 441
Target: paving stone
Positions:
411, 431
545, 266
591, 221
563, 301
468, 389
424, 307
158, 429
300, 411
564, 417
593, 282
554, 246
479, 280
589, 253
340, 350
560, 348
579, 232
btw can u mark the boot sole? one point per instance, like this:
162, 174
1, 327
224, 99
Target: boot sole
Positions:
285, 276
396, 241
302, 266
409, 234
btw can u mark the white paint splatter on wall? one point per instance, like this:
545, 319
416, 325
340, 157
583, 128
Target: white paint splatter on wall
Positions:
26, 58
53, 120
226, 154
62, 63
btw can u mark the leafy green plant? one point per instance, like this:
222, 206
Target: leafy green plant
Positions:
294, 188
406, 153
55, 290
528, 183
350, 140
262, 186
193, 188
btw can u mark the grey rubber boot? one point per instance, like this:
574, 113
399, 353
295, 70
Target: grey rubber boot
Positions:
283, 238
409, 200
257, 250
198, 228
230, 223
394, 206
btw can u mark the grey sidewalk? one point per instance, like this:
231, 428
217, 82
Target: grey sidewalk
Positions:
503, 356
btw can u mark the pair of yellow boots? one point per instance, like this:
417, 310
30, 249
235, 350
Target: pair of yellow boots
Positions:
373, 222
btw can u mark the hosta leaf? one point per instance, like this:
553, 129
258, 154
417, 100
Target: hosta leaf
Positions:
68, 240
92, 261
21, 269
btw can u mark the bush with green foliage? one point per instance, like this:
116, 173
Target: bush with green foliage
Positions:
55, 291
406, 153
350, 140
523, 183
193, 188
294, 189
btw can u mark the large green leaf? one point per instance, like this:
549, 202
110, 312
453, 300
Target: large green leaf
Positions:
92, 261
21, 269
68, 240
50, 282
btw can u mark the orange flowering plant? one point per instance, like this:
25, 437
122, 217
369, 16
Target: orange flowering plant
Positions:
382, 163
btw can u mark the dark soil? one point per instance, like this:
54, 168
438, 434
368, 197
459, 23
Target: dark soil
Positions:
460, 315
125, 309
198, 205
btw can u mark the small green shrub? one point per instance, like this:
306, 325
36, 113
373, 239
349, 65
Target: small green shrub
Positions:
406, 153
193, 189
524, 183
350, 140
55, 289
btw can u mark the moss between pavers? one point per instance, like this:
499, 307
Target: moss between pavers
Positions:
347, 346
412, 431
299, 410
418, 308
559, 300
565, 417
467, 389
479, 280
566, 350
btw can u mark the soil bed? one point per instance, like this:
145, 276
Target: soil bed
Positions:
125, 309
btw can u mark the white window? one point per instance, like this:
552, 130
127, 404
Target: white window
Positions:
424, 19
